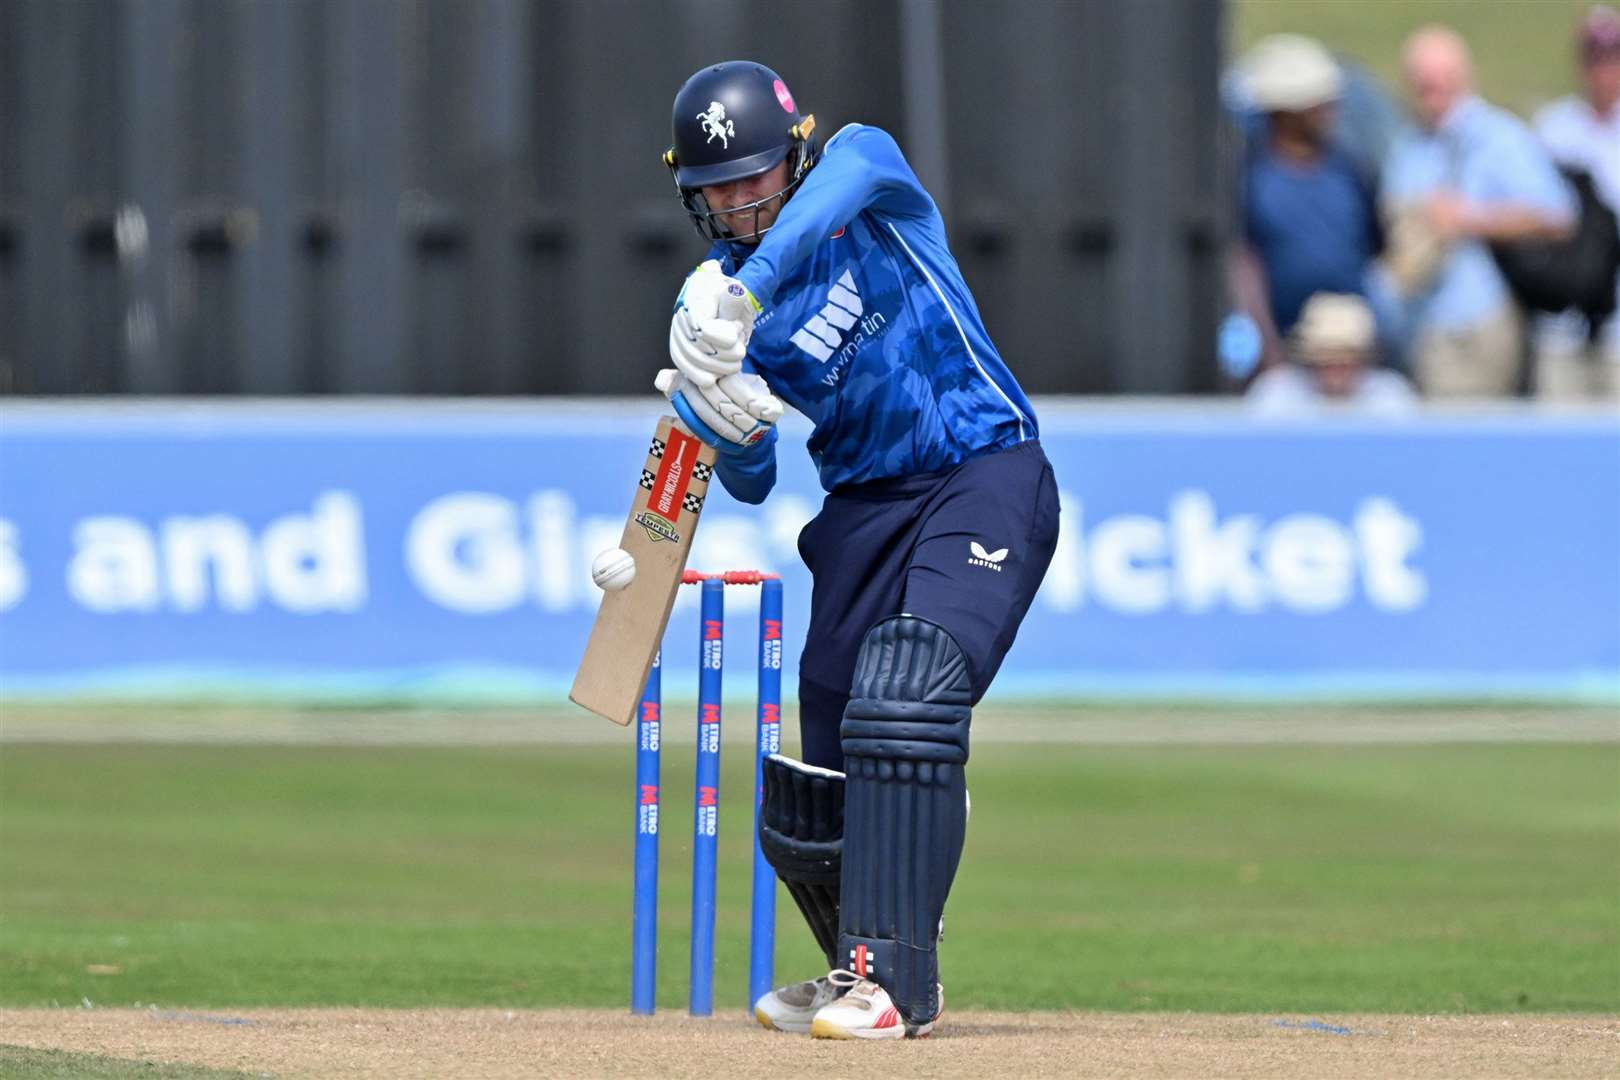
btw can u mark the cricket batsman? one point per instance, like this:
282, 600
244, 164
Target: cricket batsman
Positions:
830, 286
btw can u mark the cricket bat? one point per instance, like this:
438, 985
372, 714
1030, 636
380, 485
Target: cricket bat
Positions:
630, 623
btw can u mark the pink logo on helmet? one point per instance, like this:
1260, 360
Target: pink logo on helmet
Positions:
783, 96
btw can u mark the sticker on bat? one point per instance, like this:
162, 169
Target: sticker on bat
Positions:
657, 528
675, 471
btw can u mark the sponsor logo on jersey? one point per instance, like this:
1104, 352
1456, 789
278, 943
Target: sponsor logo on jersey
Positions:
990, 560
825, 330
716, 125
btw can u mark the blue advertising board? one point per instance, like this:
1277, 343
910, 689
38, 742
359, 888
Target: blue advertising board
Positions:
416, 551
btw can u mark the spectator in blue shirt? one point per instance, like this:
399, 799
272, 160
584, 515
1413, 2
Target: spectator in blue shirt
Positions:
1310, 221
1472, 174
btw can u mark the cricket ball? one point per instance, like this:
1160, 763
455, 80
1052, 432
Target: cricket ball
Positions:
613, 569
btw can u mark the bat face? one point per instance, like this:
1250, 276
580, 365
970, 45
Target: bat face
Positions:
658, 535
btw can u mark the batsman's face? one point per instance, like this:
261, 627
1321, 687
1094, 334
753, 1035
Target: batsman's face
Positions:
751, 189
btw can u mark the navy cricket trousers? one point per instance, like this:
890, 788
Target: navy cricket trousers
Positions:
965, 548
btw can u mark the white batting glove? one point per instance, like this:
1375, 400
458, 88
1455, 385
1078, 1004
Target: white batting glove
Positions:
749, 393
738, 408
713, 320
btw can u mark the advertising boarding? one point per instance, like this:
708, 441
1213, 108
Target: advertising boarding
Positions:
441, 551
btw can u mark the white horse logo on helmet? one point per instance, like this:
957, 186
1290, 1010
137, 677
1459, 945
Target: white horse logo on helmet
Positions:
716, 124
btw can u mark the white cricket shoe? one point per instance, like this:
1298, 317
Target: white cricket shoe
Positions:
866, 1011
791, 1008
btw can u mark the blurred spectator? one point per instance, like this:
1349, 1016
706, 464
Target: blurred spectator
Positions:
1472, 174
1310, 220
1335, 363
1575, 360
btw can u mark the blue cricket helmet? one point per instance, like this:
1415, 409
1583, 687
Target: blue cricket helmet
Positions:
730, 121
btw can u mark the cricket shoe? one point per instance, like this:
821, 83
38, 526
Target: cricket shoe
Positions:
866, 1011
792, 1007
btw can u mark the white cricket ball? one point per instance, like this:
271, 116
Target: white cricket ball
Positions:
613, 569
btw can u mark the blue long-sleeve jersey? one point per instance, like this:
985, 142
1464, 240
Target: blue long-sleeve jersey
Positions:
868, 329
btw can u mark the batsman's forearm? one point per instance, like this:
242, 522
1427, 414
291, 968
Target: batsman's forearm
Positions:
748, 473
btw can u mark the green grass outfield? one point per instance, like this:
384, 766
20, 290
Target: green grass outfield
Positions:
1238, 878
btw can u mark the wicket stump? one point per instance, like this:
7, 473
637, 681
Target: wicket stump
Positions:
706, 816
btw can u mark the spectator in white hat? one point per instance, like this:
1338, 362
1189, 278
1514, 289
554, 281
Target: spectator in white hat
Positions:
1334, 363
1310, 218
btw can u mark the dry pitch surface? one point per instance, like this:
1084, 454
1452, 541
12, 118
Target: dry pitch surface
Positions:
498, 1043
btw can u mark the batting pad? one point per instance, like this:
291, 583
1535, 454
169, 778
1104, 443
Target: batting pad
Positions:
801, 832
905, 740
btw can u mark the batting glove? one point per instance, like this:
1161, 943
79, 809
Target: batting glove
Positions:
713, 320
738, 409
